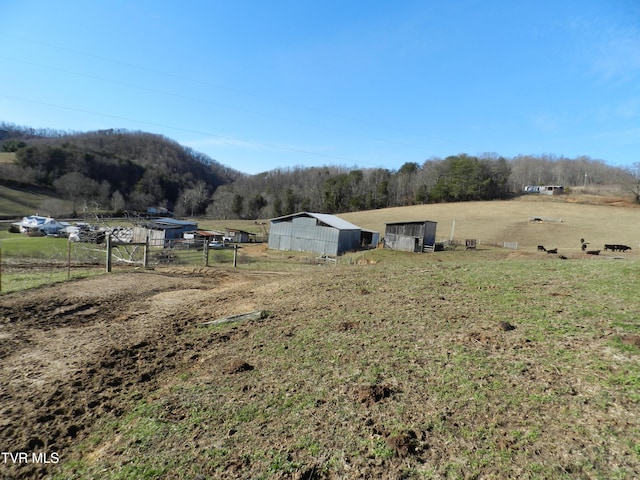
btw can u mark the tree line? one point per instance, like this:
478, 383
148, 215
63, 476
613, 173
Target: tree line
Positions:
456, 178
119, 170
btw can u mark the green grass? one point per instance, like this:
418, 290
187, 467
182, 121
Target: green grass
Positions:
480, 399
22, 246
30, 262
15, 282
19, 202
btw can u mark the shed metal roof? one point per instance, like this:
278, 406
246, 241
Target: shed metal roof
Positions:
328, 219
411, 221
168, 224
172, 222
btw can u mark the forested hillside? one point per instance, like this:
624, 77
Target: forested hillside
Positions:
118, 170
115, 169
452, 179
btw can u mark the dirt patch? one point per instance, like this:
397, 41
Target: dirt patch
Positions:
237, 366
403, 444
86, 350
370, 394
630, 340
506, 326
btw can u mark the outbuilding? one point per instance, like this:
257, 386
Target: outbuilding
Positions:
544, 189
237, 236
314, 232
417, 236
161, 230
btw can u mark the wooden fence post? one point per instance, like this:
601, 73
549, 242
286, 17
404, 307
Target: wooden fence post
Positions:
235, 256
108, 252
205, 252
145, 256
68, 259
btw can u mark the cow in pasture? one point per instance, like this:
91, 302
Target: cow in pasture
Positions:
541, 248
616, 247
552, 250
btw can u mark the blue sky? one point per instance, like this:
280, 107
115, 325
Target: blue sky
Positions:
266, 84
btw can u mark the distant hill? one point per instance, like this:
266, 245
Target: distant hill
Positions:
116, 169
119, 170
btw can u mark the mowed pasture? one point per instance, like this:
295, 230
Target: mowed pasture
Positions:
564, 222
18, 202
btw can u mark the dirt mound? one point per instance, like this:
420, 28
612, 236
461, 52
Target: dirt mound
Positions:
237, 366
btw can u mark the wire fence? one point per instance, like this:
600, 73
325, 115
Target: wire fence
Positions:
57, 260
174, 252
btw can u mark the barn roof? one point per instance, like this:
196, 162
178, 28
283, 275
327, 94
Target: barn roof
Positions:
172, 221
169, 223
327, 219
411, 221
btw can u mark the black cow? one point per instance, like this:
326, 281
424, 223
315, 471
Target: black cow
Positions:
541, 248
616, 247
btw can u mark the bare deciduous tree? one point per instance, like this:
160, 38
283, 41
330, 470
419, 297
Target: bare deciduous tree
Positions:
75, 186
634, 181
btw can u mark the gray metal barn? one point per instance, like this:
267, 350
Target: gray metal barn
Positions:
418, 236
314, 232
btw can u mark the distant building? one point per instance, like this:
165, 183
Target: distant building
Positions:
208, 235
37, 223
544, 189
314, 232
159, 212
237, 236
417, 236
159, 230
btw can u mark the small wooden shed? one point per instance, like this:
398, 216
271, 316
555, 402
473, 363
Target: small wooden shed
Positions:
416, 236
237, 236
161, 230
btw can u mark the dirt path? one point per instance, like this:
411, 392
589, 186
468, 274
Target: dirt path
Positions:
78, 351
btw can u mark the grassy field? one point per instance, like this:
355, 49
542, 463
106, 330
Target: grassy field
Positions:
493, 363
7, 157
563, 221
19, 202
598, 215
30, 262
483, 365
